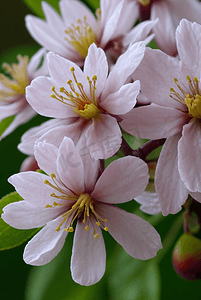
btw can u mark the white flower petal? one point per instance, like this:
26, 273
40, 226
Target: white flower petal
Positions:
136, 236
123, 180
88, 255
45, 245
23, 215
169, 186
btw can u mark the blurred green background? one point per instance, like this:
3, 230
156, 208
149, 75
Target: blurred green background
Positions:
125, 277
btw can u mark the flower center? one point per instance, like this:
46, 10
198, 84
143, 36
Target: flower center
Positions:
19, 81
81, 103
79, 206
80, 36
190, 97
144, 2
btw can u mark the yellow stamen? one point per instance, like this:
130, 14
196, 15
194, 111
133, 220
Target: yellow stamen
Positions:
19, 81
79, 206
194, 106
190, 96
82, 104
80, 36
96, 235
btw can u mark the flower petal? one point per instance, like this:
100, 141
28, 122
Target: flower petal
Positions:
30, 185
34, 134
88, 256
123, 180
26, 114
23, 215
154, 121
188, 33
138, 238
38, 96
103, 137
46, 156
91, 166
124, 67
35, 62
46, 37
111, 21
169, 186
45, 245
123, 100
196, 196
59, 69
70, 166
189, 149
149, 203
156, 73
164, 30
139, 32
96, 64
73, 10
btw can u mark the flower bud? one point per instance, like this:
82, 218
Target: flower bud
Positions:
187, 257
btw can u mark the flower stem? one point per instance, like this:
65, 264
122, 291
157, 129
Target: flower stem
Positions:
143, 151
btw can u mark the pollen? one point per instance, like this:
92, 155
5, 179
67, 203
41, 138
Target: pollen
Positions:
144, 2
80, 36
76, 97
17, 79
189, 95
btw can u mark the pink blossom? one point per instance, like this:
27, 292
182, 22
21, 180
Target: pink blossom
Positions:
173, 87
84, 102
73, 191
12, 91
71, 34
150, 203
169, 13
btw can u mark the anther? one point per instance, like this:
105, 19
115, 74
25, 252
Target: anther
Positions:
87, 228
57, 228
96, 235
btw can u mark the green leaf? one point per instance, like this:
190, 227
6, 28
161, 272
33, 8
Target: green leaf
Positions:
9, 236
5, 123
139, 279
93, 3
35, 6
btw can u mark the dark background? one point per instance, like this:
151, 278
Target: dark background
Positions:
14, 272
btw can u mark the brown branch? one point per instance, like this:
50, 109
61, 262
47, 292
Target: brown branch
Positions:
143, 151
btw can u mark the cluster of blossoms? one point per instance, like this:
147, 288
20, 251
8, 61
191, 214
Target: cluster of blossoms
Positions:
98, 77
